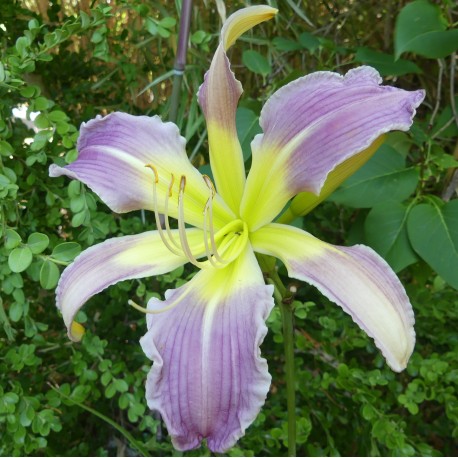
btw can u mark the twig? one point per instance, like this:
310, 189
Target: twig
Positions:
452, 86
439, 89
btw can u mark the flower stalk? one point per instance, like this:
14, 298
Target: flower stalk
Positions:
288, 342
284, 299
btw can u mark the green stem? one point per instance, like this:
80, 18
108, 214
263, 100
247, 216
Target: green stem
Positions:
175, 97
288, 342
284, 299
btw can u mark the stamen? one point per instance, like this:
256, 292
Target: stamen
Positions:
156, 213
209, 183
182, 230
207, 248
166, 213
209, 210
152, 312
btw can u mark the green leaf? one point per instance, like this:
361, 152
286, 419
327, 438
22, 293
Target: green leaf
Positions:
74, 188
285, 44
37, 242
20, 258
121, 385
386, 232
49, 275
247, 123
77, 204
78, 218
15, 311
40, 104
151, 26
110, 390
309, 41
256, 62
66, 251
433, 232
85, 20
168, 22
13, 239
8, 402
198, 37
5, 148
383, 178
385, 63
29, 91
421, 28
57, 116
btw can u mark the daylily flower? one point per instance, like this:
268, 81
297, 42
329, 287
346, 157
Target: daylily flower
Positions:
208, 379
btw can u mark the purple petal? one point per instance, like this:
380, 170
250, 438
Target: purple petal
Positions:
218, 97
113, 152
314, 124
117, 259
208, 380
356, 278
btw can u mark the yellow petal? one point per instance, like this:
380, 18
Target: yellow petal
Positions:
245, 19
218, 97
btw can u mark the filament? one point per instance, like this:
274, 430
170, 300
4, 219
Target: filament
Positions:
166, 213
156, 213
209, 209
152, 312
181, 227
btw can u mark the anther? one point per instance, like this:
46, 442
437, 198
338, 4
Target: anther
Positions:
154, 169
172, 180
182, 183
209, 184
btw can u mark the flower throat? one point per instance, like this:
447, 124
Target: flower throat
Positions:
220, 247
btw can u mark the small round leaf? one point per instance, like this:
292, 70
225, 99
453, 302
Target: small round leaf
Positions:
13, 239
66, 251
20, 258
37, 242
49, 275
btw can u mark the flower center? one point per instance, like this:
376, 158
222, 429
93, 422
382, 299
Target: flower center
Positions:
220, 247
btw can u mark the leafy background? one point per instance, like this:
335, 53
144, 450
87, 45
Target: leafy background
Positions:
64, 62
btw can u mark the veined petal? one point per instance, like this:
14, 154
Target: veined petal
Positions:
208, 379
218, 97
356, 278
113, 152
117, 259
305, 202
311, 126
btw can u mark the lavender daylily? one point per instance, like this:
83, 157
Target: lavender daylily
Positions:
208, 379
